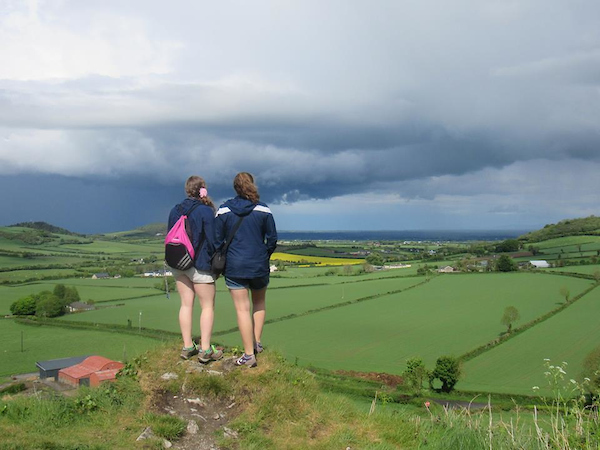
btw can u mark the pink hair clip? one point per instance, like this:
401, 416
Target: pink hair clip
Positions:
203, 192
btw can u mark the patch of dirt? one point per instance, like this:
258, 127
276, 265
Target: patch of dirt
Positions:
384, 378
204, 414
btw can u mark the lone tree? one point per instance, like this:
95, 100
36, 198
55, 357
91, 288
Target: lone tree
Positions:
375, 259
447, 370
511, 314
565, 292
505, 264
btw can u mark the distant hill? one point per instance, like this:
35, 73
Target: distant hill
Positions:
44, 226
569, 227
149, 230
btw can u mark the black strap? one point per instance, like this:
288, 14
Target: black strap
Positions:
194, 206
233, 231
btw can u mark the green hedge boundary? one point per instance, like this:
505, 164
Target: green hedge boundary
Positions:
162, 335
517, 331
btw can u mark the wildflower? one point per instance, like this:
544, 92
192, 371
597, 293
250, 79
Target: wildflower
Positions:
587, 379
427, 405
565, 363
536, 388
546, 359
560, 369
573, 381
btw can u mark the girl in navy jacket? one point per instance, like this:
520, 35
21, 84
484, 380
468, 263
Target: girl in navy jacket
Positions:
197, 280
248, 254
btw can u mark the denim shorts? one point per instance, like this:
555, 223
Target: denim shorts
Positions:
256, 284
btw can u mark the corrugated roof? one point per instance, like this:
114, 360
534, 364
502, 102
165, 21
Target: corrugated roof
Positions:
53, 364
109, 374
90, 365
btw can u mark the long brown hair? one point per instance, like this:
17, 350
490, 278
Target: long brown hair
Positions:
243, 183
192, 190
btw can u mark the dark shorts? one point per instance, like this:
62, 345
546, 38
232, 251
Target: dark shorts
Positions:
255, 284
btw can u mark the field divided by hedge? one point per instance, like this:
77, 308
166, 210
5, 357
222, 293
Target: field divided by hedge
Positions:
161, 313
517, 365
449, 315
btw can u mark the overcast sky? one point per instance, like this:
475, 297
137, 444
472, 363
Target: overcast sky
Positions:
394, 115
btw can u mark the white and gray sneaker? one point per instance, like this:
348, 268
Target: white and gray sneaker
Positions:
246, 360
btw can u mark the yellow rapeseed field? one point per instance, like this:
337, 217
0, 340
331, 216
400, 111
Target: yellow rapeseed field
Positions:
316, 260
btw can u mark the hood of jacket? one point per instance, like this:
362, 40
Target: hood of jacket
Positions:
187, 204
240, 206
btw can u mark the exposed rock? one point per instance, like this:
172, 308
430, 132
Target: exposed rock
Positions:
196, 401
192, 427
169, 376
229, 433
167, 444
146, 434
214, 372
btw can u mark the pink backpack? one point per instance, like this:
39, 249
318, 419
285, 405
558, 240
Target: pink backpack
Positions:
179, 251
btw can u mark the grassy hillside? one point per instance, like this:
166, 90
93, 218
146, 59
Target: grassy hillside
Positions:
276, 406
569, 227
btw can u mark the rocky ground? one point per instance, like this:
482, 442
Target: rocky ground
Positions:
205, 415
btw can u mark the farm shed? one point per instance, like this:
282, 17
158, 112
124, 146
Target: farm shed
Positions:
446, 269
540, 264
79, 374
50, 368
104, 375
98, 276
80, 306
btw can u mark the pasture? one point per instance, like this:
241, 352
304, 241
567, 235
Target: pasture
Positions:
323, 315
158, 312
451, 314
42, 343
517, 365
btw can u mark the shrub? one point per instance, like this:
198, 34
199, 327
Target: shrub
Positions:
447, 370
415, 373
24, 306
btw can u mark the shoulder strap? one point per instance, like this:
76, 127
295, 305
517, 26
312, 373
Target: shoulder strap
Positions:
194, 206
233, 231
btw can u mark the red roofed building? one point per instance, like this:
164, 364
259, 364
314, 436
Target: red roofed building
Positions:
81, 374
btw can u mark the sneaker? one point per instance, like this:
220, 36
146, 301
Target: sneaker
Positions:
258, 348
188, 352
246, 360
212, 354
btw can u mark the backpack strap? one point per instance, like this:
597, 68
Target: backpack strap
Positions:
194, 206
233, 231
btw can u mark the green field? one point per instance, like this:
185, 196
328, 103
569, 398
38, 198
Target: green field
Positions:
517, 365
451, 314
42, 343
329, 317
161, 313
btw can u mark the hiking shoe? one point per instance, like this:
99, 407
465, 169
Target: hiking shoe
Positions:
212, 354
258, 348
188, 352
246, 360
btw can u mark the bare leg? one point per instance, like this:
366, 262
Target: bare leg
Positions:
206, 294
258, 312
185, 287
241, 302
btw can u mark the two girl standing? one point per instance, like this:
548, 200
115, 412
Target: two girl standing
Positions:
246, 272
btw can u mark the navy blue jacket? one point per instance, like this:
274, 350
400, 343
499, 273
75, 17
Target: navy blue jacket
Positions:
256, 239
202, 221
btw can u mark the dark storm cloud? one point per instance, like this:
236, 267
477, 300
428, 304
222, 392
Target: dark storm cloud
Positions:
320, 101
